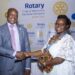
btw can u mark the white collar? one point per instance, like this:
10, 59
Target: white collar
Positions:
9, 24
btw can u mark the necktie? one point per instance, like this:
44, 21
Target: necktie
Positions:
13, 37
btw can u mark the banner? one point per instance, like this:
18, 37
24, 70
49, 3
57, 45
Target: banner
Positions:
39, 17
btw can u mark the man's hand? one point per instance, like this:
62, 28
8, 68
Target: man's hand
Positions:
27, 54
20, 55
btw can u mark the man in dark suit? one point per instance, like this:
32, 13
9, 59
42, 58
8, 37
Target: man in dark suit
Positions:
13, 41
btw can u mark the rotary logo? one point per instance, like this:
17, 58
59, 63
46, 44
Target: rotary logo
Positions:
29, 26
60, 7
3, 10
50, 25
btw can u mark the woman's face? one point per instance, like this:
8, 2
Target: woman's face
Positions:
60, 26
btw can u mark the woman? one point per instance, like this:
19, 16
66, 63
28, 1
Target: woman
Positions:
61, 49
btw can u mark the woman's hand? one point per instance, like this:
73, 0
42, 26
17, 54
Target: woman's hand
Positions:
44, 61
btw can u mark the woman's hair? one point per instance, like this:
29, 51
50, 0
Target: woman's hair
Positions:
67, 20
10, 10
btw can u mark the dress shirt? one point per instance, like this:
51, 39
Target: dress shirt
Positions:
16, 36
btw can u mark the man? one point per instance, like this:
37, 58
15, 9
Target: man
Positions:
13, 41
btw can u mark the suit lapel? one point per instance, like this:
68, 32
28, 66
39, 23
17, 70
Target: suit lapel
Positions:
7, 33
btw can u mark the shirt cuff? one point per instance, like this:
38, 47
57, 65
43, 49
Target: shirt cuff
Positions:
14, 54
27, 68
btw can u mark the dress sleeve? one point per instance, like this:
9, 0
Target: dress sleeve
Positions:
67, 50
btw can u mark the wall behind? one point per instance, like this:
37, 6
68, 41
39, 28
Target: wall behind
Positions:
39, 16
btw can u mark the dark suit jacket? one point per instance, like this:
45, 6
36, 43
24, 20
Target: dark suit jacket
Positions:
7, 61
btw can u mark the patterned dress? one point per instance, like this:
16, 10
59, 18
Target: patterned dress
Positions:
63, 48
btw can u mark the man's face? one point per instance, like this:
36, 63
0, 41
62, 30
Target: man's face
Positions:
12, 17
60, 26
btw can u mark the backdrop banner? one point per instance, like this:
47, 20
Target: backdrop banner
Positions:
39, 17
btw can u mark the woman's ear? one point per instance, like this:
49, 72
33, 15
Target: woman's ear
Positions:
67, 27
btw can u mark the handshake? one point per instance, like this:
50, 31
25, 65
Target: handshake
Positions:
20, 55
43, 59
43, 62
